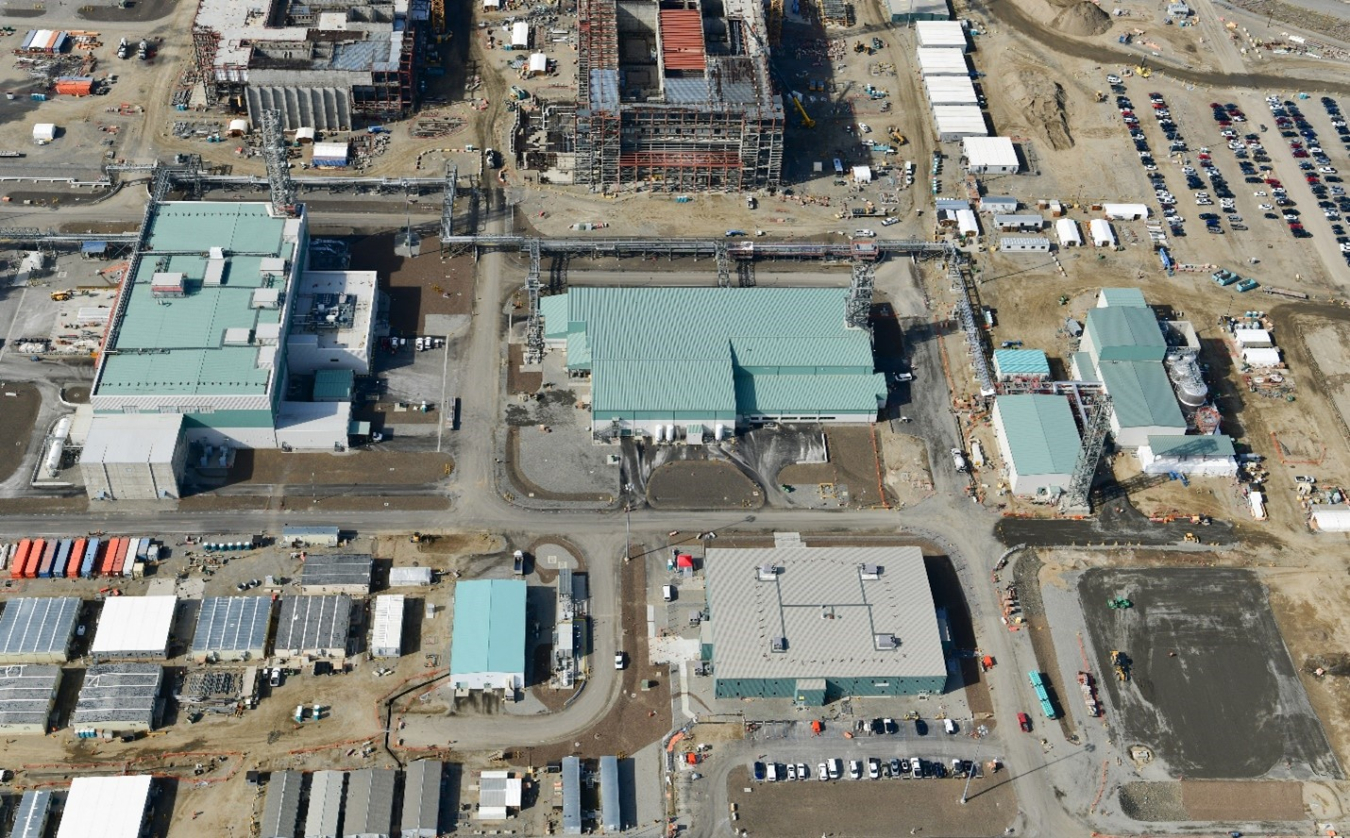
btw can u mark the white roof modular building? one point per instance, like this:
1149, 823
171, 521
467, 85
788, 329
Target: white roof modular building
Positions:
1330, 519
27, 693
1125, 212
137, 456
1066, 229
310, 536
941, 33
1024, 244
281, 808
232, 628
1038, 440
487, 642
1101, 232
105, 807
990, 155
571, 786
31, 819
1019, 222
119, 697
325, 804
999, 204
134, 627
421, 799
950, 90
1012, 364
330, 154
386, 632
337, 573
953, 122
498, 794
370, 803
1267, 357
814, 624
409, 577
313, 627
1253, 338
912, 11
44, 132
38, 629
942, 61
967, 223
1205, 455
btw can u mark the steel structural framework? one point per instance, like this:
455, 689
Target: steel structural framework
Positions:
966, 309
859, 305
448, 204
278, 171
534, 329
1089, 454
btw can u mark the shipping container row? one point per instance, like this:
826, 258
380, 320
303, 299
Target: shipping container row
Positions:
47, 558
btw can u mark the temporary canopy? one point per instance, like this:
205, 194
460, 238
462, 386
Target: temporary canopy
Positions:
304, 135
538, 64
966, 222
1102, 234
1261, 357
1252, 338
520, 34
1067, 230
1331, 519
862, 174
330, 154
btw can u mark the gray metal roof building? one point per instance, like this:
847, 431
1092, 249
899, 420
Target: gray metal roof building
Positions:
817, 623
370, 803
325, 804
119, 696
281, 809
421, 799
313, 626
611, 807
337, 573
27, 693
232, 628
571, 789
31, 820
38, 629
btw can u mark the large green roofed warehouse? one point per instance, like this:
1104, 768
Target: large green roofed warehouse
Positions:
696, 361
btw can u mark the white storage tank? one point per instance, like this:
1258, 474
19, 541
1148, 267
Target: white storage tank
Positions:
670, 433
658, 432
1188, 382
719, 431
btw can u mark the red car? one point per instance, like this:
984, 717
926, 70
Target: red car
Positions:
1024, 722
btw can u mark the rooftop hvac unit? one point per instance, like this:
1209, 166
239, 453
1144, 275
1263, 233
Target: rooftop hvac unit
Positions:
778, 644
767, 573
885, 642
869, 572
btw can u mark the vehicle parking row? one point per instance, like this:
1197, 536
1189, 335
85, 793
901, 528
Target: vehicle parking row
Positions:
871, 768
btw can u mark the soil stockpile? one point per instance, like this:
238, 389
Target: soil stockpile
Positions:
1080, 18
1043, 107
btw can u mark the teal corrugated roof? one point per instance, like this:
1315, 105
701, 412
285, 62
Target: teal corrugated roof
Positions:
1203, 445
578, 351
489, 627
1141, 394
808, 394
1082, 362
676, 349
1040, 433
334, 385
1125, 297
1021, 362
1125, 334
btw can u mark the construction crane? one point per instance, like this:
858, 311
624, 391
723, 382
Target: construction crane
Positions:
807, 121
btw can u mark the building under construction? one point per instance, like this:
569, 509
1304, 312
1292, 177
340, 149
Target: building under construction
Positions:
324, 65
676, 95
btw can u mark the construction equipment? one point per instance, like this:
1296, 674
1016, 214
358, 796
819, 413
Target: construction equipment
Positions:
1190, 538
1119, 603
1100, 97
1142, 71
896, 136
61, 296
1120, 662
1063, 299
807, 121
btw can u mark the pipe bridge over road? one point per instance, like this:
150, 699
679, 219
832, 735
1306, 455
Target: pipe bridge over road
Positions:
695, 247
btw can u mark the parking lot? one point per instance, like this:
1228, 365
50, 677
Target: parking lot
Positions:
1209, 687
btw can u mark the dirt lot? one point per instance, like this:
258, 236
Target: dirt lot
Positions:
1212, 690
884, 809
854, 466
419, 286
392, 468
700, 484
21, 402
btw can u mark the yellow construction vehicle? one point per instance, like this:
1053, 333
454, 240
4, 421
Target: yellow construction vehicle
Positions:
807, 121
1101, 97
61, 296
1142, 71
896, 136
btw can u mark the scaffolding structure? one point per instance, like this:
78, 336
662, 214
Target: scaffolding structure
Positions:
278, 169
1078, 497
704, 117
858, 308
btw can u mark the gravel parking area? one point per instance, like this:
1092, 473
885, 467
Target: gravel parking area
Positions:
883, 808
1212, 689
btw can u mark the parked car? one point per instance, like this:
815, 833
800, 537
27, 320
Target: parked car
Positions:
873, 768
1024, 722
854, 769
758, 771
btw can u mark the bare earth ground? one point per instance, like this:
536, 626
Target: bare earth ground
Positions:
300, 502
908, 479
394, 468
1235, 801
853, 463
700, 484
18, 412
419, 286
861, 809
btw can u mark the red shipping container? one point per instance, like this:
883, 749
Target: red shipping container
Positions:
30, 567
76, 558
109, 553
75, 87
20, 559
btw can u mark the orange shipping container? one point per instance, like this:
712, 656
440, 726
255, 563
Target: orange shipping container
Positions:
75, 87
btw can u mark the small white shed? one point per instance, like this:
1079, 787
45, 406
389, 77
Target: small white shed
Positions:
862, 174
1067, 231
1101, 232
44, 132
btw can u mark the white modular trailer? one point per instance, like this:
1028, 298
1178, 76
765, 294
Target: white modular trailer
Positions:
942, 61
1125, 212
950, 90
954, 122
942, 33
990, 155
386, 634
134, 627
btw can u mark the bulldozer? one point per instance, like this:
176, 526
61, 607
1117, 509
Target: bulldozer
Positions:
61, 296
1121, 664
896, 136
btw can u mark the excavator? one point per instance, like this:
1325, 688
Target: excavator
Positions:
896, 136
1142, 71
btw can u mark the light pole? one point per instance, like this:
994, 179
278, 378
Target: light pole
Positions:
980, 733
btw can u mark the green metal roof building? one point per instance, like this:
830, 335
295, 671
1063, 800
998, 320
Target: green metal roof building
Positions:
1123, 333
815, 624
487, 643
1038, 440
1143, 402
1128, 297
698, 358
1020, 363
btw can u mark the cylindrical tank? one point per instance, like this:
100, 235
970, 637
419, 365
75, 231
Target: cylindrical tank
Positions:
299, 712
670, 433
719, 431
1188, 382
657, 432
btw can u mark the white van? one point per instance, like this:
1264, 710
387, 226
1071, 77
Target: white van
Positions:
949, 725
772, 775
668, 593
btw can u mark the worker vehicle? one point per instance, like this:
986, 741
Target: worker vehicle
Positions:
821, 773
61, 296
873, 768
959, 461
772, 774
949, 726
758, 771
1024, 722
803, 771
835, 767
668, 593
618, 660
854, 769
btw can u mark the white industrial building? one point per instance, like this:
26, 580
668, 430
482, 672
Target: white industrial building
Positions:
942, 61
1038, 441
990, 156
1101, 232
27, 694
1330, 519
1066, 229
313, 627
1024, 244
120, 697
1262, 357
954, 122
421, 799
325, 804
386, 632
134, 457
498, 795
950, 90
106, 807
334, 322
1125, 212
941, 33
134, 627
38, 629
1201, 455
232, 628
369, 811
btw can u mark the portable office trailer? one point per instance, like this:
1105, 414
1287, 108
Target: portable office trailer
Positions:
31, 820
611, 816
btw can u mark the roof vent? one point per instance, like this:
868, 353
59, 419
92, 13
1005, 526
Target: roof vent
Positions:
767, 573
778, 644
869, 572
885, 642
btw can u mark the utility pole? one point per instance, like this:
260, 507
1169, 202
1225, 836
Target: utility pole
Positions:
980, 733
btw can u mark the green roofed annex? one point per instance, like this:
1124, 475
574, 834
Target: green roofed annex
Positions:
487, 641
696, 361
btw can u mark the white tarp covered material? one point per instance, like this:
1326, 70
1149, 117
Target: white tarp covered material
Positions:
134, 626
538, 64
520, 34
107, 807
1067, 230
1125, 212
1330, 519
331, 154
943, 61
304, 135
967, 223
405, 577
941, 33
1102, 234
993, 155
1252, 338
862, 174
44, 132
1261, 357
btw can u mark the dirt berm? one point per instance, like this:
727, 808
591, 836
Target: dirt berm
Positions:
1042, 106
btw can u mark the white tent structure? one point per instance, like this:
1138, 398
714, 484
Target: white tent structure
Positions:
1101, 232
1067, 231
